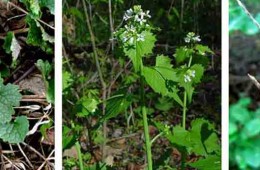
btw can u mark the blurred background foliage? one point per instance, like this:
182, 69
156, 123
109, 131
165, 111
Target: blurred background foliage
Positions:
244, 131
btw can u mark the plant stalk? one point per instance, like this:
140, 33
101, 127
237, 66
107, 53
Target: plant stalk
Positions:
102, 81
146, 126
184, 111
77, 145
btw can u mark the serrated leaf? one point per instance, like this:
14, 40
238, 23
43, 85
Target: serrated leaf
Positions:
11, 45
9, 97
163, 61
158, 79
204, 138
15, 132
182, 54
35, 36
139, 49
180, 137
202, 49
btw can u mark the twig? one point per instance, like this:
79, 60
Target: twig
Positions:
34, 150
10, 162
22, 10
248, 13
25, 74
26, 158
111, 24
99, 72
253, 79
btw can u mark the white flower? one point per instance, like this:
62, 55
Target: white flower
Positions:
197, 39
147, 14
140, 37
125, 39
131, 40
187, 78
187, 40
128, 14
191, 37
192, 73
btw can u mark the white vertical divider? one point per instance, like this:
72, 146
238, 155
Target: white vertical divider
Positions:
58, 84
225, 85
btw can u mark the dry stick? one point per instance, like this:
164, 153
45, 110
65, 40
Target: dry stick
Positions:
34, 150
45, 160
10, 162
22, 10
103, 84
26, 158
111, 24
254, 80
248, 13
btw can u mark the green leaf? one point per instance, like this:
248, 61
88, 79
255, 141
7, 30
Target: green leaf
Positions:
117, 104
9, 97
211, 162
45, 67
180, 137
202, 49
66, 80
33, 8
182, 54
11, 45
232, 128
199, 71
69, 138
15, 132
252, 128
35, 36
251, 156
239, 112
205, 140
86, 106
163, 61
161, 80
140, 49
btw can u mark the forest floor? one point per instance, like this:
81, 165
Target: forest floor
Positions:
37, 150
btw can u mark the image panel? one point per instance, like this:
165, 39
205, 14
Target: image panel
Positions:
244, 87
141, 84
26, 85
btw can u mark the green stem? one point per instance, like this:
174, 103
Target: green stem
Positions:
184, 110
146, 127
77, 145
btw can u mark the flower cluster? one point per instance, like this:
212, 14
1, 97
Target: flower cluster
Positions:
191, 37
136, 25
137, 14
189, 74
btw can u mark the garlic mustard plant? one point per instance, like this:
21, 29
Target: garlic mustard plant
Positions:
137, 40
